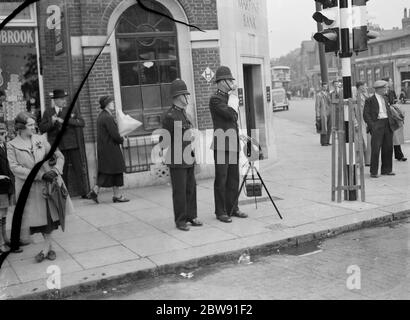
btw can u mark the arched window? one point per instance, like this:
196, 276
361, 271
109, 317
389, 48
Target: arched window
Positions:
147, 62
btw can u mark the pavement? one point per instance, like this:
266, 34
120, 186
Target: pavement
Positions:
109, 243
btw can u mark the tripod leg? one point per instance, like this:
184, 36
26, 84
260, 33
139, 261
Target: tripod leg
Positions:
267, 191
240, 190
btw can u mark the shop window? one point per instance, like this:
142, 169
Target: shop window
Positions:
7, 7
369, 78
362, 76
148, 63
377, 74
403, 43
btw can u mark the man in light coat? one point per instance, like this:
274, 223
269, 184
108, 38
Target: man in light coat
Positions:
323, 115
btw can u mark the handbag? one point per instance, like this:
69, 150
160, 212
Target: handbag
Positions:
318, 126
56, 197
397, 115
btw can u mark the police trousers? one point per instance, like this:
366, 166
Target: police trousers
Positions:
184, 194
226, 184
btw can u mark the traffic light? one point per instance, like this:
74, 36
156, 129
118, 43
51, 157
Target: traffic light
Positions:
330, 17
361, 34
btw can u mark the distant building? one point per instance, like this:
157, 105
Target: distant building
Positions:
388, 56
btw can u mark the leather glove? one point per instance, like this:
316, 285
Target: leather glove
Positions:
49, 176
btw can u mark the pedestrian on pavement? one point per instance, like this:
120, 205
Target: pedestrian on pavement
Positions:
323, 115
24, 152
51, 124
335, 96
111, 165
6, 189
181, 158
398, 135
226, 149
361, 97
381, 125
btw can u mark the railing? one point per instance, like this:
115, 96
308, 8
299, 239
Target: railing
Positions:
137, 153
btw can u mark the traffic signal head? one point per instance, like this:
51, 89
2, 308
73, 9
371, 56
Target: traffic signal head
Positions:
361, 34
330, 38
330, 17
328, 3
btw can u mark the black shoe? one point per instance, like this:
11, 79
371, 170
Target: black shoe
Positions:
93, 196
224, 218
120, 199
183, 227
403, 159
85, 196
239, 214
374, 176
196, 223
388, 174
22, 243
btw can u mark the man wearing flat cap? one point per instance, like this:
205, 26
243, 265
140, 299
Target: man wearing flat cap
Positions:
181, 158
226, 148
378, 118
51, 123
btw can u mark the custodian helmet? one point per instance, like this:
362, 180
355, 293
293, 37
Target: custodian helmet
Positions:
178, 87
223, 73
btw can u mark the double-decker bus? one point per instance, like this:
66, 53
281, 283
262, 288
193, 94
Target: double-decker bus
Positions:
280, 84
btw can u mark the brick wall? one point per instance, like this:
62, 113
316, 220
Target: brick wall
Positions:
203, 58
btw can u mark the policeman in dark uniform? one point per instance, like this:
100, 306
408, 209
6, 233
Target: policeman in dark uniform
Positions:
226, 148
181, 158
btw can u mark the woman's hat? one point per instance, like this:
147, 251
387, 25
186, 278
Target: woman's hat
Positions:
105, 100
58, 93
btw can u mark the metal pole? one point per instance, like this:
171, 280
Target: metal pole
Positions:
322, 55
346, 24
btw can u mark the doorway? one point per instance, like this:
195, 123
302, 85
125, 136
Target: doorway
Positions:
254, 104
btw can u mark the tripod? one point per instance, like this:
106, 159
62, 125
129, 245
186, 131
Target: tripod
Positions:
251, 166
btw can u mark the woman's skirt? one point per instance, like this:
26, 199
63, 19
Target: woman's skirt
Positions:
110, 180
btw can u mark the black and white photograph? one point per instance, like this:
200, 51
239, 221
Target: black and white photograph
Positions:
204, 155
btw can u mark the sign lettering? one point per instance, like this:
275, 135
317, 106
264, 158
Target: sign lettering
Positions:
251, 9
16, 37
54, 23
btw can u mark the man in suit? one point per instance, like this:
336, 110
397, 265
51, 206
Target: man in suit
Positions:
51, 124
181, 158
377, 116
226, 148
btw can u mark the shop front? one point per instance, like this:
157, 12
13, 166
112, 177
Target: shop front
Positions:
19, 72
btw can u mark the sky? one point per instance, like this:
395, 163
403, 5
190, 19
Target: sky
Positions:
288, 26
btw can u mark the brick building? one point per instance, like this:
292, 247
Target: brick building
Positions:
143, 53
388, 56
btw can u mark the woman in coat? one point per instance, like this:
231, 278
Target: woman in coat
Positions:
23, 152
111, 164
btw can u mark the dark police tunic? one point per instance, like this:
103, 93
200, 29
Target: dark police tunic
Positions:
182, 170
226, 154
